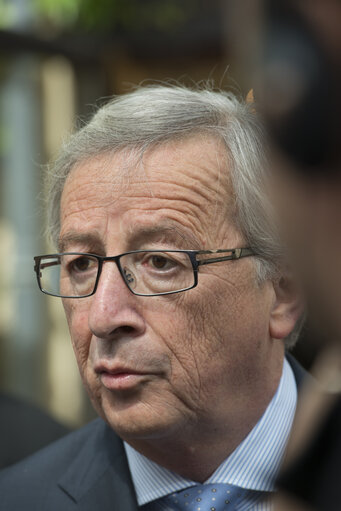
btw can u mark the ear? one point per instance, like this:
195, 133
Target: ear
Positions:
287, 307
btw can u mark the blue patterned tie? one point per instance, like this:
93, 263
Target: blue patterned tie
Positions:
204, 497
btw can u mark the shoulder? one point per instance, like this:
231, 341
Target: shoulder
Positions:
52, 459
36, 480
24, 429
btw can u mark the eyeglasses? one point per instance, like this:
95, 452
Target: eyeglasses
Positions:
145, 272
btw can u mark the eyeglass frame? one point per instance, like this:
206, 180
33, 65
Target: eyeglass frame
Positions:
236, 253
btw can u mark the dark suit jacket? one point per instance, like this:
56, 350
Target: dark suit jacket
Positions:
85, 471
24, 429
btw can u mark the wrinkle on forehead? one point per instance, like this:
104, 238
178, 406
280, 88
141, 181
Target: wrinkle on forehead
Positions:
197, 165
210, 179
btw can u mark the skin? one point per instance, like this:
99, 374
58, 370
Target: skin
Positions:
209, 359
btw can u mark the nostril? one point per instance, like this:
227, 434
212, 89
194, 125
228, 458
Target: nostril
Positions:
128, 329
125, 329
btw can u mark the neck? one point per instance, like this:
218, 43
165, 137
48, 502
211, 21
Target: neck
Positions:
195, 461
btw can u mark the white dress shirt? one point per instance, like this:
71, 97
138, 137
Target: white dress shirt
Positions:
253, 465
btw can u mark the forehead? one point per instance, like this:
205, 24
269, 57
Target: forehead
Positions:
187, 182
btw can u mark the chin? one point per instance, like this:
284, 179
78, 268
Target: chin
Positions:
138, 421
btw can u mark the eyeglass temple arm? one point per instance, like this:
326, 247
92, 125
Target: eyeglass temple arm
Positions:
236, 253
44, 265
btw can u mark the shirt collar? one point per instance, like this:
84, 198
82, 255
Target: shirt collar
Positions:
254, 464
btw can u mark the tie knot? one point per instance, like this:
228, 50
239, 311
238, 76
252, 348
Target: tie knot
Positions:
206, 497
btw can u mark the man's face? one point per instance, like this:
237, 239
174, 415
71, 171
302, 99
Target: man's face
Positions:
156, 365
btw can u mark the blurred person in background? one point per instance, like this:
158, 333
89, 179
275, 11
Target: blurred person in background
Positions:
180, 309
298, 91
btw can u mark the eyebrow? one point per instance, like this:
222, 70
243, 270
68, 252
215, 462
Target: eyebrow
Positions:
167, 232
74, 237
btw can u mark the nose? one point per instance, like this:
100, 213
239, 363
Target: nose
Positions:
114, 310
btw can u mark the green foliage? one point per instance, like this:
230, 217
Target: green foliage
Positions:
7, 13
59, 12
109, 14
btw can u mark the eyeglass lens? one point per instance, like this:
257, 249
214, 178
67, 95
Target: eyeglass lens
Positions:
145, 273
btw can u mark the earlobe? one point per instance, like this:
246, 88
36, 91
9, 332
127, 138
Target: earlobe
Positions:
287, 307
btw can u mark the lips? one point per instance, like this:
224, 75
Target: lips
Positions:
119, 377
115, 369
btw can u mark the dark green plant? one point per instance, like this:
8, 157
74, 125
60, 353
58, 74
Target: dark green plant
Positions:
107, 14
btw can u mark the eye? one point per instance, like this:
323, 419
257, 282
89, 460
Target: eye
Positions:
81, 265
160, 262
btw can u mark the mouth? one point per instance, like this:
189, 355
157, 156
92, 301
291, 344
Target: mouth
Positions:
120, 378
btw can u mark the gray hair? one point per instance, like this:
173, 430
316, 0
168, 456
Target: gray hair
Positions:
153, 115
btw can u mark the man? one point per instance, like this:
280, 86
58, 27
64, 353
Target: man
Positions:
178, 309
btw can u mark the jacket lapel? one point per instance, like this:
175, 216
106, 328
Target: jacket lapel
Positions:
300, 374
99, 477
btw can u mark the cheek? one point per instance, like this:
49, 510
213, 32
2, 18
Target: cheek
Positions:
192, 327
77, 318
173, 329
172, 322
227, 328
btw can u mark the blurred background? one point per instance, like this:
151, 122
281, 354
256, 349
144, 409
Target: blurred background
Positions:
58, 60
